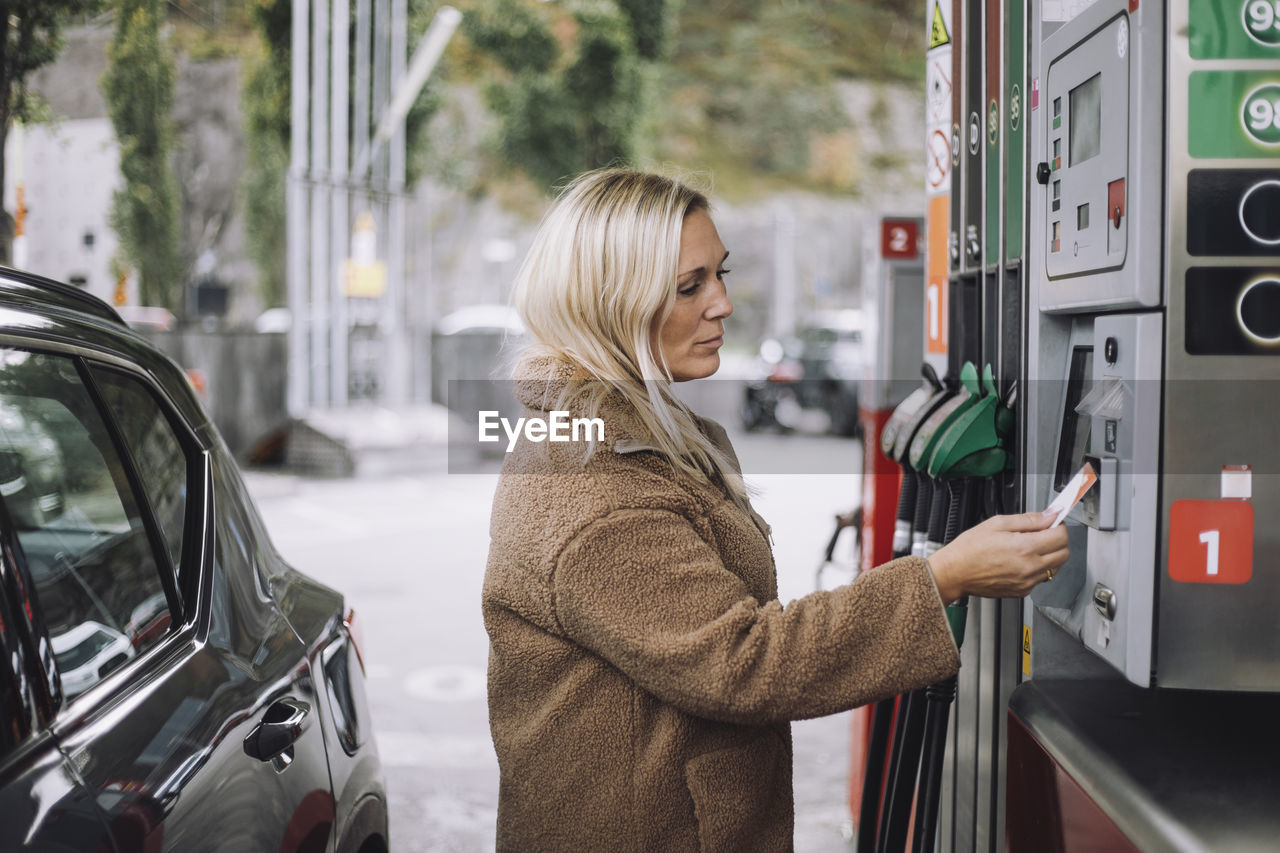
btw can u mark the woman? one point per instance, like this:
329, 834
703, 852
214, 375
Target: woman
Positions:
642, 673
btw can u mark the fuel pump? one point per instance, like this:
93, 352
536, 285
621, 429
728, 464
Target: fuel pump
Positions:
891, 392
1153, 292
972, 452
908, 729
895, 439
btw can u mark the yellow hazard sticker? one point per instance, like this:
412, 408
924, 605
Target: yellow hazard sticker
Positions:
938, 35
1026, 650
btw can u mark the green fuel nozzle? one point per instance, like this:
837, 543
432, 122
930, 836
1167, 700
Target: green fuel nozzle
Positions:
926, 439
957, 616
975, 443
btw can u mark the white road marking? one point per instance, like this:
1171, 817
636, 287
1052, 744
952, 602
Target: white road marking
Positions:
458, 752
454, 813
343, 523
447, 683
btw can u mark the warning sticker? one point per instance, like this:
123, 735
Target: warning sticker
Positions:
938, 35
938, 88
1026, 650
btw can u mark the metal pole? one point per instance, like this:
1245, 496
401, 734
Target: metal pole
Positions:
320, 248
360, 196
298, 394
784, 272
381, 81
340, 225
422, 298
377, 177
397, 360
360, 115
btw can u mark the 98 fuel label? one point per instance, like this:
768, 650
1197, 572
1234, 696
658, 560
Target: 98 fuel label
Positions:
1260, 114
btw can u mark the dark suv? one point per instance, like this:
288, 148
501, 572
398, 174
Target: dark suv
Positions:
167, 682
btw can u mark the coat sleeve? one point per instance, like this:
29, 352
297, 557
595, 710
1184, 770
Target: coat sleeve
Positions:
643, 591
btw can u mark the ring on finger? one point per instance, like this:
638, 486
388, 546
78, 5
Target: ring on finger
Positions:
1048, 574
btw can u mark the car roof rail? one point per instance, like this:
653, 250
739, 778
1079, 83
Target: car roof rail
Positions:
65, 294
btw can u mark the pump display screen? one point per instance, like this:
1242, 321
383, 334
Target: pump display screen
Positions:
1086, 120
1074, 441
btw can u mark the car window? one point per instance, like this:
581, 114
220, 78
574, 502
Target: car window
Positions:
156, 451
77, 520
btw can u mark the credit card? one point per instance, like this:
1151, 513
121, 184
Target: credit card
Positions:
1070, 496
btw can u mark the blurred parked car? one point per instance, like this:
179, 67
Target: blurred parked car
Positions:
87, 653
167, 681
819, 368
32, 471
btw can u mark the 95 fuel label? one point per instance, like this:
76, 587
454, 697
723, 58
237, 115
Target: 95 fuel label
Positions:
1262, 21
1234, 29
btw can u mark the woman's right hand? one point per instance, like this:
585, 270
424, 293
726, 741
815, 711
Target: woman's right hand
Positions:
1003, 557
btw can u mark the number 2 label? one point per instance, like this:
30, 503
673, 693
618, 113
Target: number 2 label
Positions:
898, 239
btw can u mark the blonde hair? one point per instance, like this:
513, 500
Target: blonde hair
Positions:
598, 280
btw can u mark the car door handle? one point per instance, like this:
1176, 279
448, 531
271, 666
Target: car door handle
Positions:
280, 728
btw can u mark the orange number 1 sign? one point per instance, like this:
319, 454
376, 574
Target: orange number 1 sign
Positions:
1211, 541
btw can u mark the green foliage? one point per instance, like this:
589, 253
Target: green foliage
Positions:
32, 38
204, 31
756, 86
517, 38
652, 22
745, 90
139, 91
421, 13
265, 99
566, 110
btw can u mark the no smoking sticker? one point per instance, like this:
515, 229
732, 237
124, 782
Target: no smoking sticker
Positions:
938, 159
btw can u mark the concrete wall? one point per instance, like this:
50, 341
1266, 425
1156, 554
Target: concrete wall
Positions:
245, 375
69, 170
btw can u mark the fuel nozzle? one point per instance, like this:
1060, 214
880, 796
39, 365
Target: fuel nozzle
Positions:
895, 441
927, 535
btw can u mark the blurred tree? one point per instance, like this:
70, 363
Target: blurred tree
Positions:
569, 95
652, 22
755, 84
32, 37
265, 98
144, 211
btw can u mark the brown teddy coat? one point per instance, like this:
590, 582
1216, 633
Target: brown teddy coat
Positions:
642, 672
